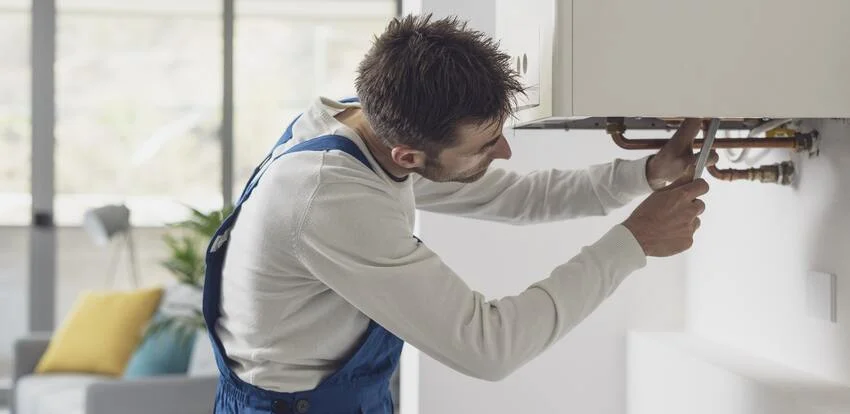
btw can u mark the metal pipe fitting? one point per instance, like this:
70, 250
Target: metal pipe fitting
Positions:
781, 173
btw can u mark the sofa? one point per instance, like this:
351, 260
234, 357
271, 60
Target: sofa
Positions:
70, 393
158, 374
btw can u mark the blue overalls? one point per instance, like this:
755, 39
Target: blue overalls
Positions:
361, 385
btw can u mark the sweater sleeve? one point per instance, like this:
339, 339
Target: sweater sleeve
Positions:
374, 262
541, 196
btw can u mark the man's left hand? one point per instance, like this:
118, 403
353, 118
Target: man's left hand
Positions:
676, 156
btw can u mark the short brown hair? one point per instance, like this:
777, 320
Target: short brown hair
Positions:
423, 78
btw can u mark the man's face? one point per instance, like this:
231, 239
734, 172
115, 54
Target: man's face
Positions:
477, 146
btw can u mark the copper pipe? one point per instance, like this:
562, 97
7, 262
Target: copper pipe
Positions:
782, 173
648, 144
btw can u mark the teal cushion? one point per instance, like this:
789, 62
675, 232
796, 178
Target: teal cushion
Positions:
166, 351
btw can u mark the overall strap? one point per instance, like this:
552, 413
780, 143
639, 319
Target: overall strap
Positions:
339, 143
323, 143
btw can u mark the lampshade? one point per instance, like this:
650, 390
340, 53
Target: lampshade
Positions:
103, 223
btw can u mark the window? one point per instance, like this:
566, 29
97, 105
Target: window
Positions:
138, 102
15, 141
286, 53
138, 99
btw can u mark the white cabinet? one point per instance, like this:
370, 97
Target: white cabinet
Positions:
526, 31
720, 58
671, 58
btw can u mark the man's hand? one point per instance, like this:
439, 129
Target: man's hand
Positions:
674, 158
664, 224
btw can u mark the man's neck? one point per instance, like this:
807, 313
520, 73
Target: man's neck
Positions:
354, 119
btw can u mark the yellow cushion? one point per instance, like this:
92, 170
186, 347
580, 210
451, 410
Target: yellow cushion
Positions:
101, 333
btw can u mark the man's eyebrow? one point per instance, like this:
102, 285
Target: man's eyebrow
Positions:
490, 143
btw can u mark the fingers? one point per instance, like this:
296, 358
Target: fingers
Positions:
689, 214
687, 132
690, 127
687, 230
698, 206
694, 188
685, 178
713, 157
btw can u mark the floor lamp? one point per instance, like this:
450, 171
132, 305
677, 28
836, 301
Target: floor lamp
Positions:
107, 222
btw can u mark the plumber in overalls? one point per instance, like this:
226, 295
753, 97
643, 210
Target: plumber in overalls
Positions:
316, 279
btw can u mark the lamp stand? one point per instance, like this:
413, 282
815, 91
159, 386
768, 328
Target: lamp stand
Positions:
113, 264
134, 270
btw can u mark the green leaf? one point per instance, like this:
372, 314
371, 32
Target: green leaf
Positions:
204, 225
188, 242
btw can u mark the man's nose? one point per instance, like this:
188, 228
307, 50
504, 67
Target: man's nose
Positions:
502, 150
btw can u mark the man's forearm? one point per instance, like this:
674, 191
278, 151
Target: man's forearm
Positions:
541, 196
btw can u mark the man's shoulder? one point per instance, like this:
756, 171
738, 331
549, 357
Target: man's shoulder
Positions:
305, 173
327, 163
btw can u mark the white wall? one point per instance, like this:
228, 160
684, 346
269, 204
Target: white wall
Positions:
481, 14
585, 372
746, 275
666, 379
745, 288
745, 278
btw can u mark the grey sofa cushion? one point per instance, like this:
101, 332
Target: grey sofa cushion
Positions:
53, 393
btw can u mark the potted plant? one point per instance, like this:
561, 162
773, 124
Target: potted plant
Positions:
187, 243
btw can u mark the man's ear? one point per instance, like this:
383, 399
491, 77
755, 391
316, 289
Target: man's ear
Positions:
407, 157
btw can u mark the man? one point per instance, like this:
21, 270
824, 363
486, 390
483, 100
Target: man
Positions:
316, 279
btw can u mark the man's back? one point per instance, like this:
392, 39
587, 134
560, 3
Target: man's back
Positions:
284, 328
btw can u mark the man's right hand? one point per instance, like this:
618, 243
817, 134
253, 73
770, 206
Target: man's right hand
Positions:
664, 224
